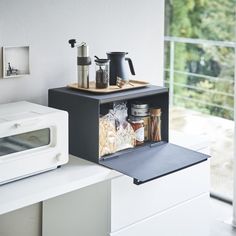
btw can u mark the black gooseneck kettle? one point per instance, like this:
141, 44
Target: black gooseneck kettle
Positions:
118, 67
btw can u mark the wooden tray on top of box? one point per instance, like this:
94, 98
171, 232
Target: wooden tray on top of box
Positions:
134, 84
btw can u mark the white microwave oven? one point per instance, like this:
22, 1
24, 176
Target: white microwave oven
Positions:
33, 139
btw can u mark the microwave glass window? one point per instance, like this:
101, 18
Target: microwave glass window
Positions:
24, 141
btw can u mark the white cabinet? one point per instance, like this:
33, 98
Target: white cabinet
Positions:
173, 205
84, 212
188, 219
131, 203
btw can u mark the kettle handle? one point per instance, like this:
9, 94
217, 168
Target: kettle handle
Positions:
130, 65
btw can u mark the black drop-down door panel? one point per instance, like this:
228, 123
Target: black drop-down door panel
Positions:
153, 161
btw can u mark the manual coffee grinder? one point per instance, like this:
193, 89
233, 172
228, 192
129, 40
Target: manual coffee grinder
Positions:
83, 63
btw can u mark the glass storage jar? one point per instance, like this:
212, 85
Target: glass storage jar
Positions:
102, 73
141, 110
138, 127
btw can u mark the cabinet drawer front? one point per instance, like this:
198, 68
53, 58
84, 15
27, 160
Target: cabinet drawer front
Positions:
191, 218
131, 203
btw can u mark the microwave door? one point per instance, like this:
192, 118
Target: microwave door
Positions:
7, 148
12, 145
24, 141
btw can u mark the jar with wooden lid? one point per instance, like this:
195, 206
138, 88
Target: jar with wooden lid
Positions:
155, 124
138, 127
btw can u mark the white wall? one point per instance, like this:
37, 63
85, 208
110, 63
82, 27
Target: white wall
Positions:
106, 25
135, 26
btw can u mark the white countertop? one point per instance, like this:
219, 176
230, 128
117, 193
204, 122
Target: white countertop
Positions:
76, 174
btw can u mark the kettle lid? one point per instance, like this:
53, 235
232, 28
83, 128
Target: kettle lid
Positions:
117, 53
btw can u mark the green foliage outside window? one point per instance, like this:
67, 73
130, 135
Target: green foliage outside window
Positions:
210, 20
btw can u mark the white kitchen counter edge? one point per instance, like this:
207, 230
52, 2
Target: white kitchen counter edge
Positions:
75, 175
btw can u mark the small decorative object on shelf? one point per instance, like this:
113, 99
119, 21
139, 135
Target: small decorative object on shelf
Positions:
16, 62
11, 71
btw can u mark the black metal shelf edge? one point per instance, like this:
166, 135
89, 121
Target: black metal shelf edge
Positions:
117, 96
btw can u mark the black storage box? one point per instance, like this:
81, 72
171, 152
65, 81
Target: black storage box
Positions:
143, 163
